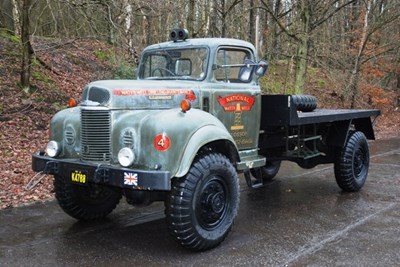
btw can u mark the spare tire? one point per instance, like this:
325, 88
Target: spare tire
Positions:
304, 103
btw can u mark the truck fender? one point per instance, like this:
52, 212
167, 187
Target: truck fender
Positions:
340, 131
207, 134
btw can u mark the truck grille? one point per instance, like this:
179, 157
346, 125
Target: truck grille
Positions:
95, 134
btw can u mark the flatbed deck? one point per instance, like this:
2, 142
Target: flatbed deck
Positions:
330, 115
286, 114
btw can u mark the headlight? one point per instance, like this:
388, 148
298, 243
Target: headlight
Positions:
126, 157
53, 149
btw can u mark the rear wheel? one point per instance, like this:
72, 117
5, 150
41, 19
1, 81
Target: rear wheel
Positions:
85, 202
352, 163
203, 204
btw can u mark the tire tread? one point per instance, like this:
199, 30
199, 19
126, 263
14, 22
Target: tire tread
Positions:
179, 217
66, 195
343, 167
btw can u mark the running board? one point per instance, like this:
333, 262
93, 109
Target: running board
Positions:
251, 162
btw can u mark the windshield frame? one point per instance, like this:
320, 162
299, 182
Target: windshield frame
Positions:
169, 51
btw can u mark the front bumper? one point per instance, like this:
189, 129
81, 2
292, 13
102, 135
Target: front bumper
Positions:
82, 173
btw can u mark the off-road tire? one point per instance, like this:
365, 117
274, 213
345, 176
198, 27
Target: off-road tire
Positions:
85, 203
304, 103
352, 162
203, 204
268, 172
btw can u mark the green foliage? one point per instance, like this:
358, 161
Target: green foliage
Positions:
121, 67
312, 71
315, 78
280, 79
13, 38
102, 55
275, 86
35, 63
269, 86
277, 80
40, 98
124, 70
39, 76
321, 83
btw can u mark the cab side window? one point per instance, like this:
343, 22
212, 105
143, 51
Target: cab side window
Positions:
225, 56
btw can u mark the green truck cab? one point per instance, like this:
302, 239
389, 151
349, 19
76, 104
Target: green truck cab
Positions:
183, 131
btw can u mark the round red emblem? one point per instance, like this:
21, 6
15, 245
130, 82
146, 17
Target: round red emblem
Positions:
162, 142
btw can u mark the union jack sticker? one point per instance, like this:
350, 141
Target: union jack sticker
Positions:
131, 178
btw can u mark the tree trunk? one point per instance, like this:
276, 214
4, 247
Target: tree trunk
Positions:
7, 16
149, 39
27, 50
302, 49
223, 19
353, 82
111, 25
206, 11
214, 18
252, 28
276, 42
301, 65
191, 18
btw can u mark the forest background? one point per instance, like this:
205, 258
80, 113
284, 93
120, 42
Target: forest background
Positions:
345, 52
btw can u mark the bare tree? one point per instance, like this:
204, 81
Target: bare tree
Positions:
191, 18
374, 15
302, 18
27, 50
7, 15
307, 32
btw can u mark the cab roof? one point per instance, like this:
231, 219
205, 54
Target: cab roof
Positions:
212, 43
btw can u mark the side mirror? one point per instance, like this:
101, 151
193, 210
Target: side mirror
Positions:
183, 67
261, 68
246, 72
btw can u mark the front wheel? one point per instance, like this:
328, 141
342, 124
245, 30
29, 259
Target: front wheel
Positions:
352, 162
203, 204
85, 203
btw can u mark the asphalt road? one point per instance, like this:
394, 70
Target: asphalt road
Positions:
300, 219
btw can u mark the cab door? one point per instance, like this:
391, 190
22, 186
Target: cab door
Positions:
235, 103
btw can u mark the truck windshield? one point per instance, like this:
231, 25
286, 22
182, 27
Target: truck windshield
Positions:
174, 64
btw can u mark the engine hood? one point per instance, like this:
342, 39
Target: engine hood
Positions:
140, 94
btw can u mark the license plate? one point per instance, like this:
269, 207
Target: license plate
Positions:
78, 177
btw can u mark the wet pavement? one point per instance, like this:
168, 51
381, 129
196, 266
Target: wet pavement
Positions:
302, 218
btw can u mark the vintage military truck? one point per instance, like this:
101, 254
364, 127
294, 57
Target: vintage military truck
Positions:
182, 132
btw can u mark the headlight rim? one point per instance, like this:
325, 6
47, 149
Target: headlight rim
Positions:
53, 149
126, 157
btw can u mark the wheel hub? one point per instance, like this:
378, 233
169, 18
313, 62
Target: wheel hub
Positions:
359, 162
212, 204
216, 202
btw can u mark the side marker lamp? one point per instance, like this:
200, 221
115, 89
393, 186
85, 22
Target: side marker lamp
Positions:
185, 105
72, 102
